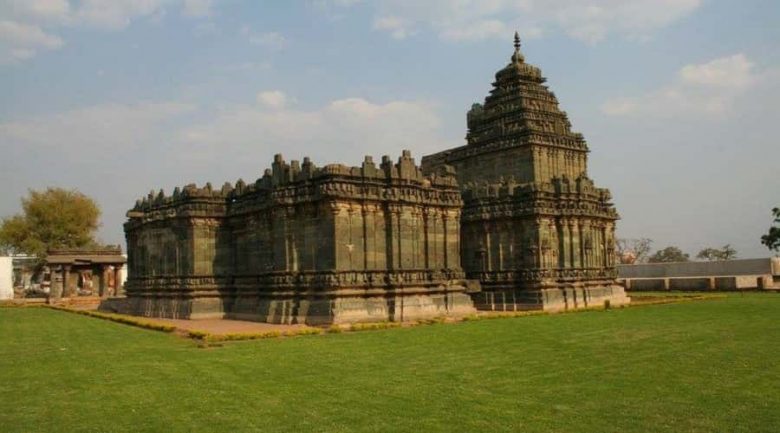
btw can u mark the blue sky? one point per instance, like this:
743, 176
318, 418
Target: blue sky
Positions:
677, 98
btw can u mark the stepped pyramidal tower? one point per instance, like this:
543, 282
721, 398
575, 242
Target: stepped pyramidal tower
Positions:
535, 231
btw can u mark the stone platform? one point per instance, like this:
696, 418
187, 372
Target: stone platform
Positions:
310, 309
550, 299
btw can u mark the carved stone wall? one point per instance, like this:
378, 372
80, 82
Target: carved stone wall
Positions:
513, 208
532, 219
302, 245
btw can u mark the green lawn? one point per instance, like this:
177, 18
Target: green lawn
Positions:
705, 366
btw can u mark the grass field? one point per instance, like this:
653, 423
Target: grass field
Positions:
705, 366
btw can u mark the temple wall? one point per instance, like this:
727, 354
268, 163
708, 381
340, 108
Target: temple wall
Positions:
694, 269
741, 274
397, 237
492, 166
161, 250
281, 240
301, 245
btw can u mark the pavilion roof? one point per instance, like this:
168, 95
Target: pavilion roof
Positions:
110, 255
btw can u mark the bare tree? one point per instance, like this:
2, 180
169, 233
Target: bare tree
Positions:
724, 253
630, 251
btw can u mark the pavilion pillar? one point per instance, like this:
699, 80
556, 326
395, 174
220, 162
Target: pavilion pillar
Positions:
102, 282
444, 250
117, 282
65, 278
55, 290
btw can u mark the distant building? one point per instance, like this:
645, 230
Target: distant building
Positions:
85, 272
29, 277
6, 278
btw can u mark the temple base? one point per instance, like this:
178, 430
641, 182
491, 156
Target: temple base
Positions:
309, 310
550, 299
354, 309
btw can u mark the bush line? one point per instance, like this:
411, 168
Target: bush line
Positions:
210, 338
118, 318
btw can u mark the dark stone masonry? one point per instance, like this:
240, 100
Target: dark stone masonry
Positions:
513, 212
536, 232
302, 245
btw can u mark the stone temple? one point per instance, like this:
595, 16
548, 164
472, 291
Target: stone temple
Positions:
535, 231
510, 221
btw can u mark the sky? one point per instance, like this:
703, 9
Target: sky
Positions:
678, 99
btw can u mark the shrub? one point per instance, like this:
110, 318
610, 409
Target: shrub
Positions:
374, 326
127, 320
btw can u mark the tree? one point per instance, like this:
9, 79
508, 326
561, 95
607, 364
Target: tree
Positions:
668, 255
631, 251
54, 218
724, 253
772, 239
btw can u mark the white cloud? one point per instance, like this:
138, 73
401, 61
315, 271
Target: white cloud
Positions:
477, 30
587, 20
197, 8
398, 27
346, 3
270, 40
105, 127
341, 131
26, 25
726, 72
19, 41
115, 14
272, 99
708, 88
18, 54
37, 10
245, 67
27, 36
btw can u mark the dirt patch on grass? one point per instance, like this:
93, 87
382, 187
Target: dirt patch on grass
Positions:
226, 326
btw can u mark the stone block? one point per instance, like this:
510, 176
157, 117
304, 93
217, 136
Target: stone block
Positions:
689, 284
648, 284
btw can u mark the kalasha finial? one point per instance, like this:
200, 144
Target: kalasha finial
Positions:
517, 57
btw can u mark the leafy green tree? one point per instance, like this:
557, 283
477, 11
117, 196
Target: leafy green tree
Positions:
772, 239
54, 218
724, 253
668, 255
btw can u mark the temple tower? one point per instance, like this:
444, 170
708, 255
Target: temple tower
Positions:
535, 231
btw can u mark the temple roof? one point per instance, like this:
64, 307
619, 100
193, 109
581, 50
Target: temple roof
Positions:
518, 68
520, 104
83, 256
